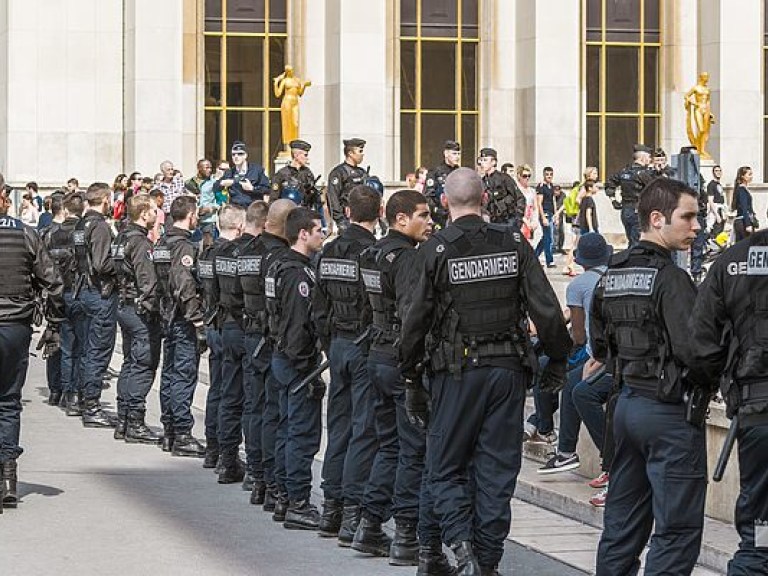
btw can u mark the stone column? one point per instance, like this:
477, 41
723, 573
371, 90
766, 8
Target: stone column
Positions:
730, 49
4, 89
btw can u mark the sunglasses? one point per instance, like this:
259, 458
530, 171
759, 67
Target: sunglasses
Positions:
525, 175
238, 153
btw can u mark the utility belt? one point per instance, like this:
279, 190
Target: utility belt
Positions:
646, 388
348, 334
447, 356
103, 287
753, 404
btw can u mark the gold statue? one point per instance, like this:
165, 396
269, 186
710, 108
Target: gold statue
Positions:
290, 88
699, 118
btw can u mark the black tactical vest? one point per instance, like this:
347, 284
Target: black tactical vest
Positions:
230, 293
376, 264
81, 236
339, 272
126, 276
62, 250
251, 274
162, 257
16, 263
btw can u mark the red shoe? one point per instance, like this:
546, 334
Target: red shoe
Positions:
598, 500
599, 482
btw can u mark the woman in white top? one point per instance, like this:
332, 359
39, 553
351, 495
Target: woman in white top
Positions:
530, 218
29, 214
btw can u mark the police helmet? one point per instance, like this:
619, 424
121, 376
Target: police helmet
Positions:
291, 194
375, 183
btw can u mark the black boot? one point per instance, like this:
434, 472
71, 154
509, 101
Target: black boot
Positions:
432, 561
330, 520
259, 493
122, 424
137, 431
301, 515
281, 507
10, 481
187, 445
489, 571
169, 435
234, 470
405, 545
466, 563
95, 417
371, 539
54, 398
211, 453
349, 521
248, 480
73, 406
270, 498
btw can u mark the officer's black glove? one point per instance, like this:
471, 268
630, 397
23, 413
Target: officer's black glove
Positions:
50, 341
553, 377
316, 389
616, 204
417, 406
201, 339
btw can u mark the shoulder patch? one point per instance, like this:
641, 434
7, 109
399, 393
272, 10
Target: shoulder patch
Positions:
186, 261
430, 182
482, 268
440, 248
629, 282
757, 261
390, 257
304, 289
335, 181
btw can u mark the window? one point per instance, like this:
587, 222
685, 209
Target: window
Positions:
623, 42
438, 79
244, 49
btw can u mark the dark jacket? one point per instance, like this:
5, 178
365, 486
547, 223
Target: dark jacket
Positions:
255, 175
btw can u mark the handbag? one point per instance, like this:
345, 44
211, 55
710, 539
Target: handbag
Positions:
754, 222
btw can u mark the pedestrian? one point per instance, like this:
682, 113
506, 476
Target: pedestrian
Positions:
288, 288
545, 207
342, 315
531, 216
631, 179
201, 185
559, 219
33, 190
639, 317
158, 198
171, 185
727, 330
434, 185
245, 181
98, 280
29, 214
587, 218
46, 217
468, 286
716, 213
745, 222
181, 308
73, 185
29, 271
139, 320
343, 178
505, 201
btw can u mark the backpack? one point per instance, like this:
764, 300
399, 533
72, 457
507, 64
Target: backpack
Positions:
571, 202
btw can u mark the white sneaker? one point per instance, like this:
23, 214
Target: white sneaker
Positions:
560, 463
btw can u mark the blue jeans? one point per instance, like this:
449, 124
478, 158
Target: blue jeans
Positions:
179, 379
303, 429
351, 430
213, 398
100, 343
141, 356
14, 361
547, 239
74, 332
581, 395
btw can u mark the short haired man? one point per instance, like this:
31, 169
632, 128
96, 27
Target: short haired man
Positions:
545, 207
245, 181
343, 178
288, 289
171, 184
435, 183
139, 320
639, 318
201, 185
73, 185
505, 201
296, 177
342, 314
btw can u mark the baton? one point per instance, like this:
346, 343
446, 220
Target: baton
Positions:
725, 453
324, 366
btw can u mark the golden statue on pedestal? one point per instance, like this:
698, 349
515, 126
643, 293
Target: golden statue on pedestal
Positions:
698, 115
290, 88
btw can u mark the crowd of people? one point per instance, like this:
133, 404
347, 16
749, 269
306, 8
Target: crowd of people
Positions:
434, 315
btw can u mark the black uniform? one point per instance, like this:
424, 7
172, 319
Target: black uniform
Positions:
342, 313
433, 190
632, 179
732, 301
255, 258
659, 471
28, 269
288, 288
341, 180
181, 306
473, 284
139, 319
53, 361
300, 179
506, 203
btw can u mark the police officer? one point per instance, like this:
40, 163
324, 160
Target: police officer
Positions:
342, 314
639, 318
230, 311
296, 177
256, 257
343, 178
139, 320
732, 302
73, 330
27, 267
181, 308
472, 285
435, 183
506, 203
631, 179
660, 166
394, 484
93, 250
288, 288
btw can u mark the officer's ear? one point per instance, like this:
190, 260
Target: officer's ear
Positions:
657, 220
485, 198
347, 212
444, 200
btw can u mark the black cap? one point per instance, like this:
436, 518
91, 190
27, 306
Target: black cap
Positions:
642, 148
659, 153
354, 143
452, 145
300, 145
488, 152
238, 146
